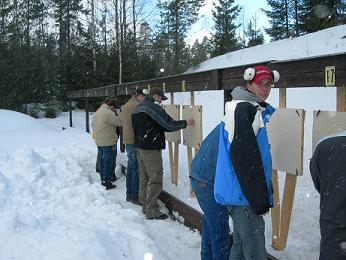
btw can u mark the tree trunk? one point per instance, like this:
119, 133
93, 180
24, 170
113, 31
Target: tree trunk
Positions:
286, 17
93, 35
134, 21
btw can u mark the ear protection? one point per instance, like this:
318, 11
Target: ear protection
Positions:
250, 73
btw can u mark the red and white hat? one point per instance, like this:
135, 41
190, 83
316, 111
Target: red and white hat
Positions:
259, 73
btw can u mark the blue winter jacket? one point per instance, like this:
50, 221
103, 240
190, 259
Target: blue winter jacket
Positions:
244, 165
204, 164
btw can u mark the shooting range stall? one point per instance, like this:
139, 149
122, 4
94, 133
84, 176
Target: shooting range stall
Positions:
285, 129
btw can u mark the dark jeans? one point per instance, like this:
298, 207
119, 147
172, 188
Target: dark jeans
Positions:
333, 240
107, 155
248, 234
215, 227
132, 178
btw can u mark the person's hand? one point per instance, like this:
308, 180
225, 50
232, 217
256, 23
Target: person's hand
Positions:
190, 122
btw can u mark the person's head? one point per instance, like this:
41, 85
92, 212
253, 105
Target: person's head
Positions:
260, 80
157, 95
140, 94
111, 102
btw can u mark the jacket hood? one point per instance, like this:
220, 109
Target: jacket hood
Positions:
240, 93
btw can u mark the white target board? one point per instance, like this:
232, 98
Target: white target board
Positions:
192, 135
286, 138
174, 112
327, 123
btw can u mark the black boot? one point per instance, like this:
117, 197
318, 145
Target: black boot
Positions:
108, 184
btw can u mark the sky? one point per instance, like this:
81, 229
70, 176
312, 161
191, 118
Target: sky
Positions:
251, 8
204, 25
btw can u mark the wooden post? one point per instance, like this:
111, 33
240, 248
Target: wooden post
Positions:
171, 160
70, 108
175, 164
189, 149
340, 98
87, 117
275, 212
173, 155
286, 208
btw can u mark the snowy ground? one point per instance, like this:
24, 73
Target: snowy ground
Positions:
53, 207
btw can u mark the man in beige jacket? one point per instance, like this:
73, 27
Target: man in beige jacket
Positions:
132, 178
104, 123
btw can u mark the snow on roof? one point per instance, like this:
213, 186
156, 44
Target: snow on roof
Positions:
321, 43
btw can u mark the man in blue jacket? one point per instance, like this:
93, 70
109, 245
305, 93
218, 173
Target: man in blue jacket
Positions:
243, 169
215, 243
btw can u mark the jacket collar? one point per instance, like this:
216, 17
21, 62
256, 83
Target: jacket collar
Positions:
240, 93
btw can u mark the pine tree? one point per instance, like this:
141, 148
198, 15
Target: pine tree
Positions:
279, 19
297, 12
176, 18
200, 52
67, 15
224, 39
319, 15
254, 35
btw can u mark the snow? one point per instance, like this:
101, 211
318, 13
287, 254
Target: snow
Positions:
53, 207
331, 41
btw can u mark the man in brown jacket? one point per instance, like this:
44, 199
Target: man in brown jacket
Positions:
104, 124
132, 178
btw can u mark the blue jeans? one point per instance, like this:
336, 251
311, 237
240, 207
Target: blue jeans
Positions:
248, 234
132, 178
107, 162
215, 227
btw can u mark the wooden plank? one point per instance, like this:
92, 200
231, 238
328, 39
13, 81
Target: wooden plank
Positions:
282, 97
171, 160
70, 111
176, 163
308, 65
294, 73
341, 96
275, 212
286, 210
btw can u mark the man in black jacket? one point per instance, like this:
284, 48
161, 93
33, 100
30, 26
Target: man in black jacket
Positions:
328, 172
150, 121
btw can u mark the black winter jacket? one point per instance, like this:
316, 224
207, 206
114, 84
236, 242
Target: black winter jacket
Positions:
150, 122
328, 172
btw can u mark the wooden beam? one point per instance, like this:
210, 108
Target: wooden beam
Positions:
309, 72
70, 112
286, 210
340, 99
87, 128
275, 211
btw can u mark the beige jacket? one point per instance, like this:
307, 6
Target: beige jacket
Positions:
104, 122
127, 120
